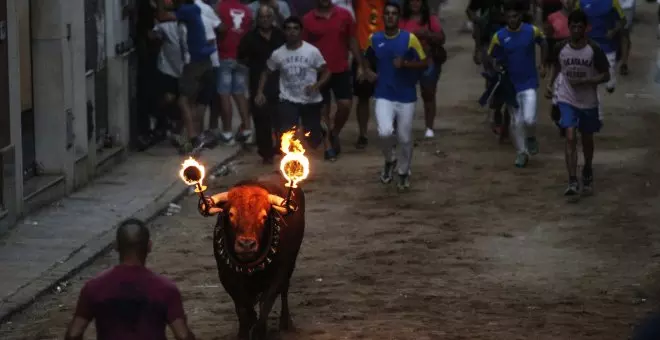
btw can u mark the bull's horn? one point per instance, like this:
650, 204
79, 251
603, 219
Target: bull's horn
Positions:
276, 202
221, 197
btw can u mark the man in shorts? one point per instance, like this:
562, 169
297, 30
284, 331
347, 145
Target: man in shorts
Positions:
368, 19
607, 21
331, 29
303, 73
581, 65
194, 71
232, 76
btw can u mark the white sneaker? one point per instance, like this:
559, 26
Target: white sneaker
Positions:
429, 133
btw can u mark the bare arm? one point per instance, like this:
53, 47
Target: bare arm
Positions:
181, 330
76, 329
324, 76
262, 80
357, 54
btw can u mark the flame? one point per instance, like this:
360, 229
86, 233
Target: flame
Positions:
294, 165
188, 165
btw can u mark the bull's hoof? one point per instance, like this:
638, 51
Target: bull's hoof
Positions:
286, 324
258, 332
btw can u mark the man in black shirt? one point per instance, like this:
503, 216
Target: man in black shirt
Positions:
253, 51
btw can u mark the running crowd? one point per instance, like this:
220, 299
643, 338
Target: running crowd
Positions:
280, 68
282, 63
581, 43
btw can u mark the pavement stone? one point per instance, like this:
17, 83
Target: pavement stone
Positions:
53, 244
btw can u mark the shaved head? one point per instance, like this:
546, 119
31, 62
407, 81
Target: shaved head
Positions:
133, 239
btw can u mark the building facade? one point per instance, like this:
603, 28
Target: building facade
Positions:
66, 98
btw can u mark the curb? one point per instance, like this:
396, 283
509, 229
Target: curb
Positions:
93, 249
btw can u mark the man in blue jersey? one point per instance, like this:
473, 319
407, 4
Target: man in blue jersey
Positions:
607, 21
400, 61
514, 49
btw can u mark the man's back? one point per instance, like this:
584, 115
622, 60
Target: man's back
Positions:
130, 302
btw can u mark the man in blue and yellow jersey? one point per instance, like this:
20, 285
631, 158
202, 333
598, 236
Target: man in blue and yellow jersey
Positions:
514, 49
400, 61
607, 21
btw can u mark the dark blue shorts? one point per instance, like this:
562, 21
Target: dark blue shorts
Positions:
430, 76
585, 120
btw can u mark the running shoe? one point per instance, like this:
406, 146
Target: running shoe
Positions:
362, 142
388, 171
404, 182
521, 160
330, 155
572, 189
532, 145
429, 133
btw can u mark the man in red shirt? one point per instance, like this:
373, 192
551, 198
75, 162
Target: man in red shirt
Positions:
332, 30
129, 301
232, 76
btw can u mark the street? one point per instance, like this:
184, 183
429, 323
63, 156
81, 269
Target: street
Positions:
478, 249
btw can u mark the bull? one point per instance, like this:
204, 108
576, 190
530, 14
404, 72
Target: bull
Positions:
255, 243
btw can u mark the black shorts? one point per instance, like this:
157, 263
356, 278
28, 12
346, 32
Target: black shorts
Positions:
208, 90
364, 89
289, 114
167, 84
340, 84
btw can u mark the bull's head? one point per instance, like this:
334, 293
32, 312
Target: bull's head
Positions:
247, 211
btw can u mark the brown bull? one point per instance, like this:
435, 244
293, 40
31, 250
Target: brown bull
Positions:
256, 243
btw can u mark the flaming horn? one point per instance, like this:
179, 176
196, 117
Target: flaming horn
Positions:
294, 166
192, 173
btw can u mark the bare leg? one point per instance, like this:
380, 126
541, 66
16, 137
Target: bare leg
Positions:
362, 111
626, 45
226, 113
243, 110
188, 116
588, 149
341, 116
570, 152
428, 96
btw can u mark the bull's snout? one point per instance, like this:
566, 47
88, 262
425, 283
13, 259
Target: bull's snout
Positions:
246, 245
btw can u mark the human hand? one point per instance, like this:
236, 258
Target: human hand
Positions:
542, 71
312, 89
398, 62
370, 75
260, 99
549, 91
611, 34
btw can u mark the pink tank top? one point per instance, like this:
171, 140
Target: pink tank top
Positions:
559, 22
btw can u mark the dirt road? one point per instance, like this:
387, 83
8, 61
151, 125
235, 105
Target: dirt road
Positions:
477, 250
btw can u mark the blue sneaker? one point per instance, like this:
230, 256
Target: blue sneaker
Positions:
521, 160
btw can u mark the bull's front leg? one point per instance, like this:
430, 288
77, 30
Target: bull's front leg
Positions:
246, 319
286, 323
265, 306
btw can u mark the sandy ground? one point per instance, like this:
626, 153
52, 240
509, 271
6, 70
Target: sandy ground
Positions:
477, 250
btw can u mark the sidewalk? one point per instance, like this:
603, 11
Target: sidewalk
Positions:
50, 245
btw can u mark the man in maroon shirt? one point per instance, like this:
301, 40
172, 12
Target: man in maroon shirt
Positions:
332, 30
129, 301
